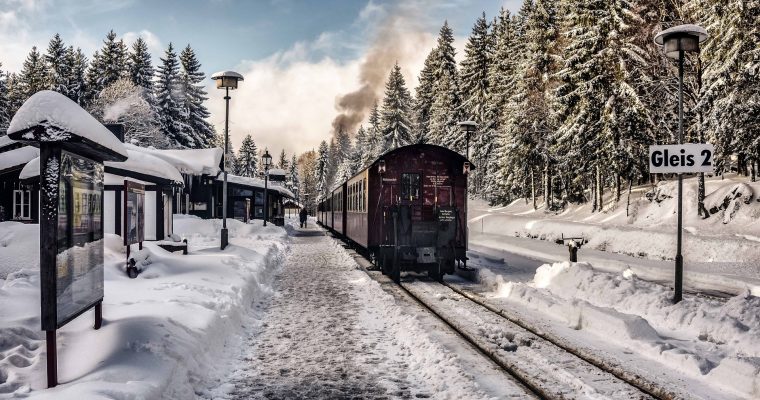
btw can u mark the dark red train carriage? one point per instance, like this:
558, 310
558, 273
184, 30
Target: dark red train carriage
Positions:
408, 210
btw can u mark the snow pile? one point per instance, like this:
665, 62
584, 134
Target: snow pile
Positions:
62, 117
17, 242
161, 332
714, 341
257, 183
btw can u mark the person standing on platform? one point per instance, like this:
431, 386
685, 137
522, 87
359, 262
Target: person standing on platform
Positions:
302, 217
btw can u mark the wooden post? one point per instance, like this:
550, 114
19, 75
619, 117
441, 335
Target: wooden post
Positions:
52, 359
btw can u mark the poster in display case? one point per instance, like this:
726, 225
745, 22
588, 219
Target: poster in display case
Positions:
134, 213
79, 259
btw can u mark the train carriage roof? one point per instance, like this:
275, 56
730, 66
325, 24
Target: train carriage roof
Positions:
423, 146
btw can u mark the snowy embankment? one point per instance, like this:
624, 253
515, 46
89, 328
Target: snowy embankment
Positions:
721, 252
162, 332
713, 343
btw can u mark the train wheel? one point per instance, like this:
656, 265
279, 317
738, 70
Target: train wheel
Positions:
435, 273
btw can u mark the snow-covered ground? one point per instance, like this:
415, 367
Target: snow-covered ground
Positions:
617, 302
332, 332
161, 332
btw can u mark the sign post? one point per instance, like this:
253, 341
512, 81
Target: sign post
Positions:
679, 159
73, 146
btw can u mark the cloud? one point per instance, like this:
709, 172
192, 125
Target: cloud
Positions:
288, 100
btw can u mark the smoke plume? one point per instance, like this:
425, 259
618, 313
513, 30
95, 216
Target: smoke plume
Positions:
396, 42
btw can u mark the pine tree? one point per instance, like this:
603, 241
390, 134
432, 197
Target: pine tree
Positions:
33, 74
16, 93
423, 100
168, 101
502, 80
5, 106
321, 171
196, 113
58, 66
605, 126
92, 81
141, 70
395, 123
77, 87
375, 140
247, 158
444, 114
293, 180
108, 65
444, 67
283, 163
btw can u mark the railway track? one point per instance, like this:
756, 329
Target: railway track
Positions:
544, 365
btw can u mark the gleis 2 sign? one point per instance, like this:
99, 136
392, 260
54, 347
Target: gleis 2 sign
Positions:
681, 158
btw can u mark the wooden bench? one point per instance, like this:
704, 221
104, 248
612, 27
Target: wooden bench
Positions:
174, 246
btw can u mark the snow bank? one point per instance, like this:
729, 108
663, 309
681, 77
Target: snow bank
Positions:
62, 117
161, 331
17, 242
714, 341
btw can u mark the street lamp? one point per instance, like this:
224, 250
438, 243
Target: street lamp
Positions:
226, 80
677, 41
468, 127
266, 160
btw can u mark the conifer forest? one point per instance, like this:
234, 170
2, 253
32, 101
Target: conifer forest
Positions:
567, 96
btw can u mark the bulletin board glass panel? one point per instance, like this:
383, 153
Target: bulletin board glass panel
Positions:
79, 262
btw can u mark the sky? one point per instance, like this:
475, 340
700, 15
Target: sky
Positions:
298, 57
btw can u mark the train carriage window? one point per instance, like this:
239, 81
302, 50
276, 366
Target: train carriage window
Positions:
410, 187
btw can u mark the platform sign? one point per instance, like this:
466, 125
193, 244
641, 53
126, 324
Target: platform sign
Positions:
134, 213
79, 259
681, 158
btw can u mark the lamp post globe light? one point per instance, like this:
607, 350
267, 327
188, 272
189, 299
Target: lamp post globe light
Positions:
226, 80
677, 41
266, 160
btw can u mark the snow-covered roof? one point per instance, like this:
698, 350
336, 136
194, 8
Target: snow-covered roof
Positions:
5, 141
62, 118
233, 74
277, 171
138, 162
191, 161
689, 29
255, 182
31, 169
16, 157
148, 164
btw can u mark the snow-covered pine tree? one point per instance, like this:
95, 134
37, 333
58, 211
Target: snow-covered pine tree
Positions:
395, 122
77, 75
110, 64
293, 179
58, 66
605, 126
423, 100
375, 139
445, 67
33, 74
321, 170
502, 80
476, 95
5, 106
141, 68
16, 93
343, 151
445, 114
92, 85
529, 126
195, 112
247, 158
283, 162
168, 103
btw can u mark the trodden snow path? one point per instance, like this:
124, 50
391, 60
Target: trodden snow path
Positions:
330, 331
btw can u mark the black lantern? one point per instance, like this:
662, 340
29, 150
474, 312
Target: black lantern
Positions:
266, 160
466, 168
381, 167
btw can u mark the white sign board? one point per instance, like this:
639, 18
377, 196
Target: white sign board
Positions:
681, 158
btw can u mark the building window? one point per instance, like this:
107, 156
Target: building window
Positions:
410, 187
22, 205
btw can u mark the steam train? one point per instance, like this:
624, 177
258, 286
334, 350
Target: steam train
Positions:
406, 211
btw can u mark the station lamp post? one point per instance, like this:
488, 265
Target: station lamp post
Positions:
266, 160
468, 128
676, 42
226, 80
